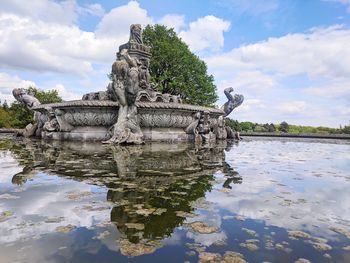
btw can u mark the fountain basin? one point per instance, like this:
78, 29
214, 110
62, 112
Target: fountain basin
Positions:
92, 119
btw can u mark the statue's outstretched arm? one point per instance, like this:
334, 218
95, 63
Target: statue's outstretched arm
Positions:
228, 94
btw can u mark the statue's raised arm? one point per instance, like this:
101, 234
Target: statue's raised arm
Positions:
233, 101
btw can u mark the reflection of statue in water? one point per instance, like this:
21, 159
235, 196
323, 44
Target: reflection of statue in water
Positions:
29, 101
153, 187
233, 101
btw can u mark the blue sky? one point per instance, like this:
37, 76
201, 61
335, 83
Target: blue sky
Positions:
290, 59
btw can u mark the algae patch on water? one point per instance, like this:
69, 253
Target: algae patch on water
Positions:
202, 228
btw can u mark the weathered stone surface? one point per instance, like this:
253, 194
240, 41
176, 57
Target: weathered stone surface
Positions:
233, 101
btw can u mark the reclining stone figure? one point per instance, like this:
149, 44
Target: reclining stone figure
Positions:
29, 101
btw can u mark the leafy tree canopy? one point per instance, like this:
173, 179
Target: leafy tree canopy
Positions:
176, 70
48, 96
284, 126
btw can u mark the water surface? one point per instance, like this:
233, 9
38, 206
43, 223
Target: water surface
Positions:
274, 200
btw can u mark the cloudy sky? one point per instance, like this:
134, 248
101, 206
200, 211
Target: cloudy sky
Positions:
289, 58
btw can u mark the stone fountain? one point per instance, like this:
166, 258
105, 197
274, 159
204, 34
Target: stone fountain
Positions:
130, 110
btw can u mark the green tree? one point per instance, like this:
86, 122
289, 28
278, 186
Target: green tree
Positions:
260, 128
21, 116
272, 128
346, 129
284, 126
48, 96
5, 118
5, 106
176, 70
247, 126
233, 124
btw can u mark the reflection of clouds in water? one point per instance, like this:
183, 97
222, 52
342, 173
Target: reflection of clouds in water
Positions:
48, 247
206, 239
174, 240
211, 217
9, 167
269, 192
32, 209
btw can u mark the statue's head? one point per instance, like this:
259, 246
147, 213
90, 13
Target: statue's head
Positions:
135, 28
18, 93
135, 33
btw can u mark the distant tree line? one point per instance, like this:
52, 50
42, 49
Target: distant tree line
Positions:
18, 116
283, 127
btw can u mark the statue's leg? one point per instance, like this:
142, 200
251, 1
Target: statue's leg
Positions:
119, 90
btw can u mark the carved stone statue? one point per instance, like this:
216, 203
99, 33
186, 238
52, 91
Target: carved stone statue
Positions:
221, 132
191, 129
29, 101
52, 124
125, 74
233, 101
136, 34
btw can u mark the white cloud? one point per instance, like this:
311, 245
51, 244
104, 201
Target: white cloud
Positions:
173, 21
8, 83
251, 105
65, 94
252, 81
321, 52
62, 12
206, 33
33, 42
292, 107
266, 71
343, 110
338, 89
35, 45
117, 22
93, 9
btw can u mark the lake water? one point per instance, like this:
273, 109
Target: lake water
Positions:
259, 200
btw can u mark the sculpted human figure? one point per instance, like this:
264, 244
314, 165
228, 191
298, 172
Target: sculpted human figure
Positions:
26, 99
233, 101
136, 33
132, 80
125, 75
144, 74
29, 101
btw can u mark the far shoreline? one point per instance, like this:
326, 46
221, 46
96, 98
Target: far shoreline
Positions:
296, 135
